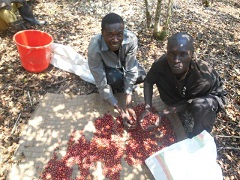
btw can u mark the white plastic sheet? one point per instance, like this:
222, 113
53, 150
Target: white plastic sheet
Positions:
66, 58
190, 159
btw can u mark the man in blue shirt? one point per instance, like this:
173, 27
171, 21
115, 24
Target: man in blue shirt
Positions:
113, 64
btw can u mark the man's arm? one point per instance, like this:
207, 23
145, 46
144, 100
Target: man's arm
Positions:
131, 65
96, 67
148, 93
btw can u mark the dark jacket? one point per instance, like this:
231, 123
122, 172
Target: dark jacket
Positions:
201, 80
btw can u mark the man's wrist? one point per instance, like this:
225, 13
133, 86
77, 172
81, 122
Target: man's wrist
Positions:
118, 108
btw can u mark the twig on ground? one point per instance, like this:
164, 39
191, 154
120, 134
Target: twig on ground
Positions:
30, 99
228, 122
60, 88
223, 136
228, 148
3, 147
34, 85
75, 4
17, 88
59, 82
15, 124
90, 92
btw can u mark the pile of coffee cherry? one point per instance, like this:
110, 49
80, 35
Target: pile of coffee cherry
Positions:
109, 147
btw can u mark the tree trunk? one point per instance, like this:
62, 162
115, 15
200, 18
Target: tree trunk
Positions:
148, 15
161, 32
168, 19
157, 26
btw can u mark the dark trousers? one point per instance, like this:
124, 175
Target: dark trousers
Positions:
115, 77
203, 111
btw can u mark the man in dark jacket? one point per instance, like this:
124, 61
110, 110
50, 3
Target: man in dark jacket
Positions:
185, 84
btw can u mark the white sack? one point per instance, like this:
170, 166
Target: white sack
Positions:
66, 58
190, 159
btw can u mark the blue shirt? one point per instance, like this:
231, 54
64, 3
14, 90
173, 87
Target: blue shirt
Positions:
99, 54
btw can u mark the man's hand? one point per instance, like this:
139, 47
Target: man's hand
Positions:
131, 123
128, 116
169, 110
131, 113
146, 119
156, 124
144, 114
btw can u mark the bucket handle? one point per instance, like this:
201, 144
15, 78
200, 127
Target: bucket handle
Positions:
28, 53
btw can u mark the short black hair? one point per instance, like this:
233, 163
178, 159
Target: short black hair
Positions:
111, 18
185, 36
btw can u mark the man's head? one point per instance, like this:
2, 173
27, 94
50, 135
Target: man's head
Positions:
180, 52
112, 30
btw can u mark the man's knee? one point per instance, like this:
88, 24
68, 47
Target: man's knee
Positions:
115, 80
204, 112
141, 75
207, 103
114, 77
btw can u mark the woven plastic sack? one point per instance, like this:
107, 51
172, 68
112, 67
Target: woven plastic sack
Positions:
190, 159
66, 58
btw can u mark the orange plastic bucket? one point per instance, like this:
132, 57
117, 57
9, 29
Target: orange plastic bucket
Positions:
34, 48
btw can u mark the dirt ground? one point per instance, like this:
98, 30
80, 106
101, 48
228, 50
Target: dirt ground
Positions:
216, 30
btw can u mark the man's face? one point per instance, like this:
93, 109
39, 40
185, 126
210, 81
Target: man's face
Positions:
179, 56
113, 35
